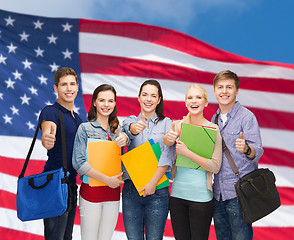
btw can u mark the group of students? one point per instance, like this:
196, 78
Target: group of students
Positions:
196, 196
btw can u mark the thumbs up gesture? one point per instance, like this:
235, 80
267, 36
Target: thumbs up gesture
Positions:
240, 144
141, 125
48, 137
120, 138
172, 135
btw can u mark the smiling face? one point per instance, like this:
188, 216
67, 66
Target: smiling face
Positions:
105, 103
226, 92
66, 90
195, 100
149, 99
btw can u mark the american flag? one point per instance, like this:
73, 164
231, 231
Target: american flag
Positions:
125, 54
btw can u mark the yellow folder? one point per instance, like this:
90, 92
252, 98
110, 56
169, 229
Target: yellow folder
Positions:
141, 164
104, 156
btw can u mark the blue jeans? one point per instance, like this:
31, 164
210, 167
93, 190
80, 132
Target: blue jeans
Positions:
61, 227
144, 213
228, 221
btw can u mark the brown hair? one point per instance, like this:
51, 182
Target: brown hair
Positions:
64, 71
92, 114
226, 74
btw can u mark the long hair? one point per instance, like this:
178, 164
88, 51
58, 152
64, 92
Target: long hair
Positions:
92, 114
159, 107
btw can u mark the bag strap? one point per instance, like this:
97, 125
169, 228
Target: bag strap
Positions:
33, 144
227, 152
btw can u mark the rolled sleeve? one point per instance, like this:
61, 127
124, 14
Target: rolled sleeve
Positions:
79, 161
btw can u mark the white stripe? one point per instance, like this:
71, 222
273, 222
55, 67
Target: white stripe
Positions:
18, 147
175, 91
143, 50
284, 175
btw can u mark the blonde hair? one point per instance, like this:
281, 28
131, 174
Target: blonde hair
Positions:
198, 86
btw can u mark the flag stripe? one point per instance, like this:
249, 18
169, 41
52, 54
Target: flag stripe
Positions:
175, 91
168, 38
137, 49
122, 66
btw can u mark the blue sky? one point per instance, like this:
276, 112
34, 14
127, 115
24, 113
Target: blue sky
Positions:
257, 29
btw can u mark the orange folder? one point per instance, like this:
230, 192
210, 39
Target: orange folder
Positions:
141, 164
105, 157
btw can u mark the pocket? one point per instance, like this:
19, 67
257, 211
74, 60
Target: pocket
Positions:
162, 193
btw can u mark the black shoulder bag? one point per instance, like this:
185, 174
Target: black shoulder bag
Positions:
257, 193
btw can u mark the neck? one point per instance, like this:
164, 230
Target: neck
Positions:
198, 119
226, 108
103, 121
148, 115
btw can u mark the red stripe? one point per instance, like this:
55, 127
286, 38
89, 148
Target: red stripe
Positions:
94, 63
176, 110
168, 38
277, 157
13, 166
10, 234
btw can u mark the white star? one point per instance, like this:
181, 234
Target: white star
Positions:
43, 80
9, 21
27, 64
48, 103
52, 39
33, 90
24, 36
39, 52
30, 125
38, 24
2, 59
1, 96
38, 114
10, 83
17, 75
76, 109
14, 110
67, 54
66, 27
25, 100
7, 119
54, 67
11, 48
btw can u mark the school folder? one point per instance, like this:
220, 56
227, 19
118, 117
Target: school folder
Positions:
141, 164
198, 139
105, 157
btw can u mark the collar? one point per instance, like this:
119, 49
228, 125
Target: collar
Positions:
233, 111
153, 119
60, 107
96, 124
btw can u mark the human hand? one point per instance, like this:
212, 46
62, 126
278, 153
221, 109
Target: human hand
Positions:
120, 139
172, 136
48, 139
141, 125
240, 144
148, 189
114, 181
181, 147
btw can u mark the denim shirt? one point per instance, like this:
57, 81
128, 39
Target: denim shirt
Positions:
154, 130
85, 131
239, 119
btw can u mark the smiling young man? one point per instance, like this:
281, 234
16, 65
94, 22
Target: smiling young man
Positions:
240, 131
66, 86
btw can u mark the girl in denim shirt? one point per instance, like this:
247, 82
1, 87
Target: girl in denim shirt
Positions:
99, 206
148, 213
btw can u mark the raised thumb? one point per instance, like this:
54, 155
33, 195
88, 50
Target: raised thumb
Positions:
118, 131
51, 129
143, 118
173, 126
241, 135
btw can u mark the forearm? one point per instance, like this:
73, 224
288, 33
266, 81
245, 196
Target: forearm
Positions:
160, 171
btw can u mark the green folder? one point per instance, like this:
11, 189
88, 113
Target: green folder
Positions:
198, 139
157, 152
